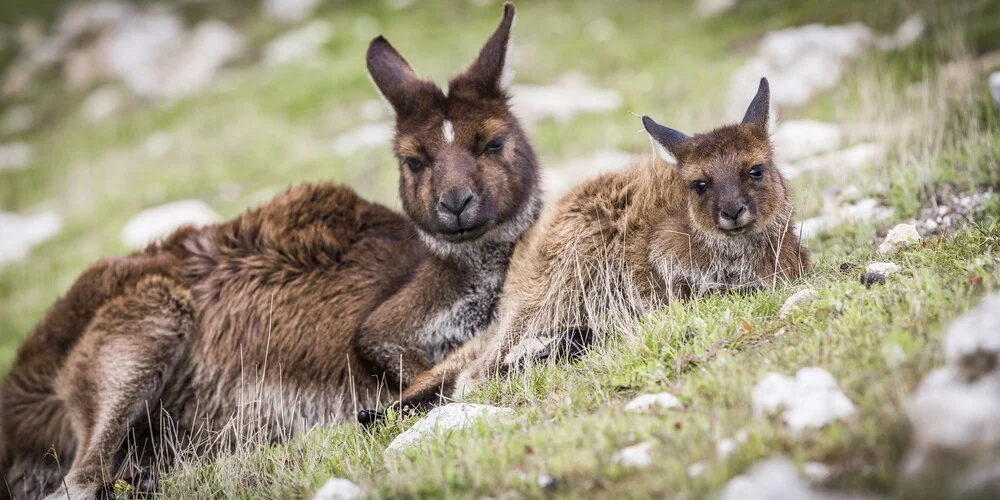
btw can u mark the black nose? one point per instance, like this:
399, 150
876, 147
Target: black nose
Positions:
456, 201
733, 212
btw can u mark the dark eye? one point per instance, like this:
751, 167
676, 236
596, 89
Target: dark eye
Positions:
494, 145
699, 186
757, 172
414, 164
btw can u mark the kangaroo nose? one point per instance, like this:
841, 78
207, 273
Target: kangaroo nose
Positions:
733, 212
455, 201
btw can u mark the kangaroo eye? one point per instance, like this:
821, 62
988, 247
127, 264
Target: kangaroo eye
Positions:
494, 145
757, 172
699, 186
414, 164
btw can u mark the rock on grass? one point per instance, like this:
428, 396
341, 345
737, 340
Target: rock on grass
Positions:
636, 455
19, 233
449, 417
158, 222
810, 400
651, 402
339, 489
798, 299
899, 237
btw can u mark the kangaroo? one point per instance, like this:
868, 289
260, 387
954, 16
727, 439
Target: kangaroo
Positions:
709, 213
288, 316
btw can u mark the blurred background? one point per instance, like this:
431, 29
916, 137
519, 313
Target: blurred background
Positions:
120, 120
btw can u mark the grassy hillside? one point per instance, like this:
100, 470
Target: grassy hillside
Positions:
260, 130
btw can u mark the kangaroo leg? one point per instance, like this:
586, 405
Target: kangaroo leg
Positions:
115, 375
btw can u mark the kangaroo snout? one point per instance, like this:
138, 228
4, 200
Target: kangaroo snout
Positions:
734, 216
460, 214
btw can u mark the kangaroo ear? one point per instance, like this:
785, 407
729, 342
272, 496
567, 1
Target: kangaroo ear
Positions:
760, 112
391, 74
489, 72
666, 141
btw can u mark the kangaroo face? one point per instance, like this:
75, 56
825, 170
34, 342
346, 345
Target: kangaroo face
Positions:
734, 186
466, 168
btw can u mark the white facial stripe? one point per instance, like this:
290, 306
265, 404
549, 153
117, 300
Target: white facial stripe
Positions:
448, 131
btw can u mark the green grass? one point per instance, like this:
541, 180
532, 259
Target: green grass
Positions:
261, 130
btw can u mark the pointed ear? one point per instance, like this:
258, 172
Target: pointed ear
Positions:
391, 74
489, 72
666, 141
760, 112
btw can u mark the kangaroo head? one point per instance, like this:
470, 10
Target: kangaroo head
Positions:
467, 171
734, 186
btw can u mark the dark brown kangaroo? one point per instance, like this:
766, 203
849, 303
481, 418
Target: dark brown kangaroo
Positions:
288, 316
712, 213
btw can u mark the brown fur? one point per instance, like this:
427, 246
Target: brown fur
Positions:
628, 242
288, 316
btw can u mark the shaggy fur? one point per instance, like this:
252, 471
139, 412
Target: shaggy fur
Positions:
288, 316
629, 242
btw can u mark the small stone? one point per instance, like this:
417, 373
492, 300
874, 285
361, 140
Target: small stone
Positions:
101, 104
289, 11
450, 417
563, 101
367, 136
883, 268
547, 482
301, 43
972, 341
901, 236
775, 478
636, 455
798, 139
725, 447
709, 8
650, 402
15, 156
22, 232
158, 144
930, 225
339, 489
810, 400
17, 119
155, 223
696, 469
847, 267
869, 279
798, 299
817, 472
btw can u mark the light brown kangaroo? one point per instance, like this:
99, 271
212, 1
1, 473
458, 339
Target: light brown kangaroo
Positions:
711, 213
287, 316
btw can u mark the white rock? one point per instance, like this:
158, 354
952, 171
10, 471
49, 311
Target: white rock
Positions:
995, 86
193, 67
158, 144
817, 472
101, 104
289, 11
798, 299
773, 479
636, 455
339, 489
562, 101
374, 110
450, 417
17, 119
852, 158
907, 34
15, 156
650, 402
725, 447
975, 333
19, 233
563, 175
901, 236
709, 8
158, 222
301, 43
883, 268
811, 400
135, 51
696, 469
799, 63
948, 414
797, 139
367, 136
